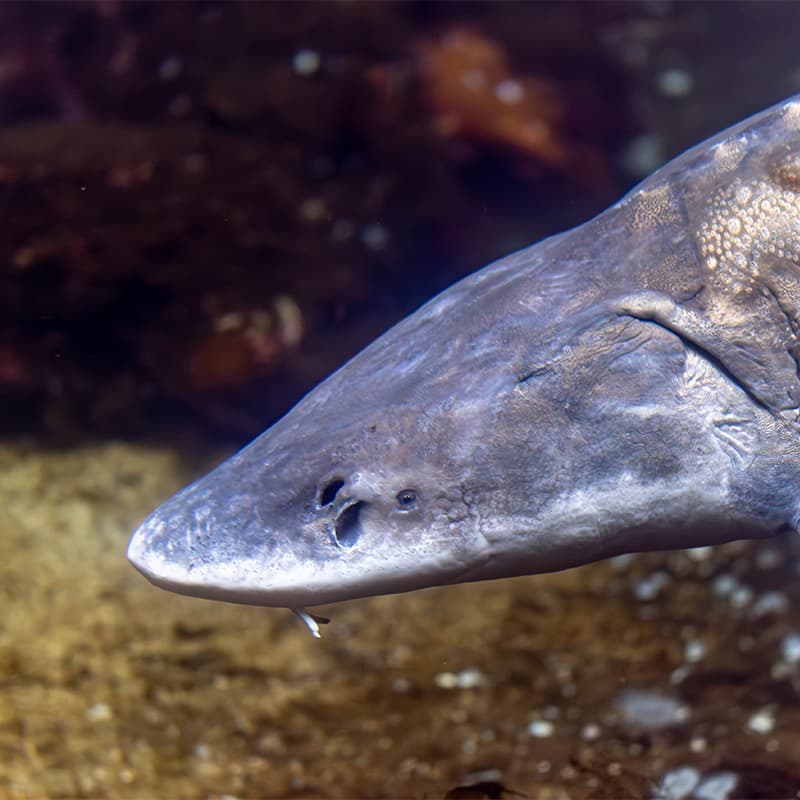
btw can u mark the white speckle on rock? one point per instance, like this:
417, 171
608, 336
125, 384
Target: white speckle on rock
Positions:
622, 562
723, 585
651, 586
717, 786
768, 558
771, 602
700, 553
694, 651
541, 728
790, 648
741, 597
202, 751
762, 721
645, 709
99, 712
466, 679
591, 731
677, 784
680, 674
697, 744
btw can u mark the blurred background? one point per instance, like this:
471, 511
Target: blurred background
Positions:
206, 207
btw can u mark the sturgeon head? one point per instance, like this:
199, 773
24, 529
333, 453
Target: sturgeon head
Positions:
629, 385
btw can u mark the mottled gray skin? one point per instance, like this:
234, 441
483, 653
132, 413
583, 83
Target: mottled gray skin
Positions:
628, 385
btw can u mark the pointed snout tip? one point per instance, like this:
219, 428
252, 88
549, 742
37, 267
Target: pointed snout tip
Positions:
138, 553
144, 554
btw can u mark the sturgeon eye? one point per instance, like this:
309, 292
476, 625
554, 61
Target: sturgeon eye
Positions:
406, 500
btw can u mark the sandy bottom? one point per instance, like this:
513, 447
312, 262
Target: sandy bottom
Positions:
671, 675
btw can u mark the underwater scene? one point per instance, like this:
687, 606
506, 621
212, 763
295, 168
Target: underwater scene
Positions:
209, 207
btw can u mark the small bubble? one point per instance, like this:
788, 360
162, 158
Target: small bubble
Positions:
180, 105
342, 230
675, 82
314, 209
170, 68
374, 236
306, 62
643, 154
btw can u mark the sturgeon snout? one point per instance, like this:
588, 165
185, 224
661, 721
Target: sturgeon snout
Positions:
629, 385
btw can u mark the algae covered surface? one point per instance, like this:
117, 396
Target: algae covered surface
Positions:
620, 679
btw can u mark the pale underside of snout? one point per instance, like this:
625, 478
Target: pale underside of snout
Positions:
284, 577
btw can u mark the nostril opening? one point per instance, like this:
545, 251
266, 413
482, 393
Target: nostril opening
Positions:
348, 525
329, 491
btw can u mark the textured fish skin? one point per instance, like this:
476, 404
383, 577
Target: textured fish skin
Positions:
631, 384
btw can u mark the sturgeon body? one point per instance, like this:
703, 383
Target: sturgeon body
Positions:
629, 385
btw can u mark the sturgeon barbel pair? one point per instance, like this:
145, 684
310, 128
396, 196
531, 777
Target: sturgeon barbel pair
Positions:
628, 385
